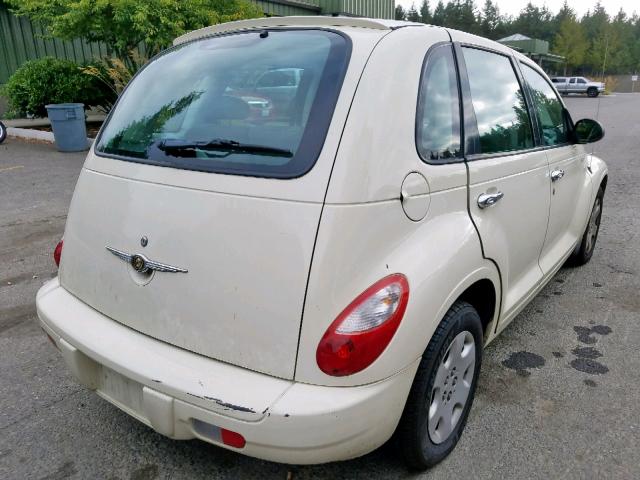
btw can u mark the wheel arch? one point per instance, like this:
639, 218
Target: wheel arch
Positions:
482, 290
482, 295
599, 174
603, 182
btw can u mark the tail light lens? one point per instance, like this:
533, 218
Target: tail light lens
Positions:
57, 253
364, 329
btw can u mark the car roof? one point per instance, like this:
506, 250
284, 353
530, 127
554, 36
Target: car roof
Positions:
300, 21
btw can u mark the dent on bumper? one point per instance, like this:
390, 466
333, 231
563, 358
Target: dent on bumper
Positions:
167, 388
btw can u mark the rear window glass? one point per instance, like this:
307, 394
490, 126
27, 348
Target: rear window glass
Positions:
256, 103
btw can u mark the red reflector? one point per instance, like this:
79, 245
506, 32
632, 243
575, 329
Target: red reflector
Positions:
232, 439
57, 253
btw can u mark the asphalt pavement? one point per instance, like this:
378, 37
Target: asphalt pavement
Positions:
559, 391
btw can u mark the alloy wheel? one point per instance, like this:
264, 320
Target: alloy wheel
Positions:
594, 225
451, 387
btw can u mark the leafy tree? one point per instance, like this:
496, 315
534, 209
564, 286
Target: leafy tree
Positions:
122, 25
571, 42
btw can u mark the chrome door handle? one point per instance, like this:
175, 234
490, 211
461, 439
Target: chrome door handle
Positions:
487, 199
557, 175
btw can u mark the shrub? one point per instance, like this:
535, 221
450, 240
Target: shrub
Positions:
115, 73
610, 84
49, 80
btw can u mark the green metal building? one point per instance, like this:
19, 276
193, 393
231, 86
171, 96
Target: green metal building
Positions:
21, 40
536, 49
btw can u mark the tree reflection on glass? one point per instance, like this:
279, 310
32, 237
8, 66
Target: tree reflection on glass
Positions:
499, 105
548, 106
135, 138
514, 136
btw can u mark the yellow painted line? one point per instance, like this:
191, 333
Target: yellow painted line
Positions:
15, 167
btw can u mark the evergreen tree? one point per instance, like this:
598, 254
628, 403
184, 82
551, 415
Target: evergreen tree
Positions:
425, 12
571, 43
439, 14
490, 20
534, 22
412, 14
400, 13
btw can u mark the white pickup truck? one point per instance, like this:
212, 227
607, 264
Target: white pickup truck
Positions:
578, 85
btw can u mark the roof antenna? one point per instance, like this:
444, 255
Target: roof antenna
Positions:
604, 64
264, 34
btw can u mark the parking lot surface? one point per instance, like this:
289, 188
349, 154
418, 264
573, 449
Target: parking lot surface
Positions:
559, 392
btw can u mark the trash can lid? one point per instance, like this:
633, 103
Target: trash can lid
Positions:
60, 106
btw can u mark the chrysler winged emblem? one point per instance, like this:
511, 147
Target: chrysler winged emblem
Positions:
142, 264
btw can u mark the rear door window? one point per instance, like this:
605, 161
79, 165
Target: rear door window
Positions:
255, 103
548, 107
438, 116
501, 111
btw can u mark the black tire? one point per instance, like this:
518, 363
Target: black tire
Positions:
412, 435
3, 132
592, 92
584, 250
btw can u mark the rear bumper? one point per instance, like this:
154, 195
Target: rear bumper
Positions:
168, 389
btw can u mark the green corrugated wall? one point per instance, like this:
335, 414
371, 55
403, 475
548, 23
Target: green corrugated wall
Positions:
20, 40
361, 8
282, 9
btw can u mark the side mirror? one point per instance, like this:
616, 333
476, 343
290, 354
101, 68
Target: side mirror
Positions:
588, 131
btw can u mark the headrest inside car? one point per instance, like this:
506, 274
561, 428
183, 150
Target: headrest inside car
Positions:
226, 108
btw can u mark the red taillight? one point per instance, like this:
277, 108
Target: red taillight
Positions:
57, 253
364, 329
232, 439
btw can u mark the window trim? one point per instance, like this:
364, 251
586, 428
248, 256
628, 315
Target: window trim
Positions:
470, 134
568, 119
475, 154
330, 109
423, 70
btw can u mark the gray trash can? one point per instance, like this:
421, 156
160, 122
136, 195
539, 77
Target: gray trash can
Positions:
68, 125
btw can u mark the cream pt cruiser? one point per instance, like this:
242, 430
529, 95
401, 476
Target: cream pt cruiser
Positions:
294, 237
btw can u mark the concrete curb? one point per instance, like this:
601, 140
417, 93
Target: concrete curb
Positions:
31, 134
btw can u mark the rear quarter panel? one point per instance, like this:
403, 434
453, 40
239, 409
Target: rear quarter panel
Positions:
364, 234
360, 244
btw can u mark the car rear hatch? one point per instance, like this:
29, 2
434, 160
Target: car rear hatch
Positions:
193, 220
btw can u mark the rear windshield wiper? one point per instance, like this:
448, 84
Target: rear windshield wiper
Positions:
222, 145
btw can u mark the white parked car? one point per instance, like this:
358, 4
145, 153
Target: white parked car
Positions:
299, 285
578, 85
